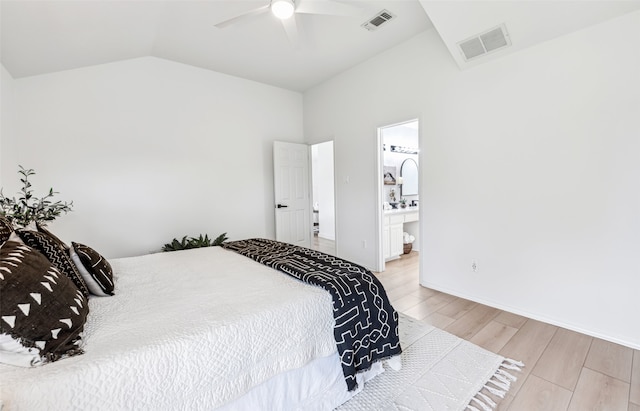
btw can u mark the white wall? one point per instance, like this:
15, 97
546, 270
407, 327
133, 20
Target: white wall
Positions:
6, 123
529, 165
150, 150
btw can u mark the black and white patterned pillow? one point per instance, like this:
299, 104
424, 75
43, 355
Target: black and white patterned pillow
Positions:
94, 268
6, 228
56, 254
42, 312
40, 228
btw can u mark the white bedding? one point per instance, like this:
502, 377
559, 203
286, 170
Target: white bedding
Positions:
186, 330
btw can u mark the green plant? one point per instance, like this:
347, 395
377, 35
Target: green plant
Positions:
27, 208
220, 239
194, 242
176, 245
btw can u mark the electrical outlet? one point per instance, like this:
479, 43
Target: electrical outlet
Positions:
474, 266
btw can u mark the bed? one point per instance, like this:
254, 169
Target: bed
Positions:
211, 328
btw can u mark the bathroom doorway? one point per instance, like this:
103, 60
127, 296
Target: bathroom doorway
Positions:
323, 198
398, 191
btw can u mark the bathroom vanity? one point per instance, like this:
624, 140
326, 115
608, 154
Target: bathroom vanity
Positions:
395, 222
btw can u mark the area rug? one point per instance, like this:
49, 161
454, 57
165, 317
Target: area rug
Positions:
439, 372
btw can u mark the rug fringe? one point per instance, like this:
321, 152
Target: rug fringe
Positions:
495, 391
501, 379
512, 364
488, 400
484, 406
506, 375
502, 386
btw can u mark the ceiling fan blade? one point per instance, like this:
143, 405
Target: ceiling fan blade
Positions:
242, 16
329, 7
291, 28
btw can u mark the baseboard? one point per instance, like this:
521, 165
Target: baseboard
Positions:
533, 316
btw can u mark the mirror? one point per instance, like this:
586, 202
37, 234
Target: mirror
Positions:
409, 174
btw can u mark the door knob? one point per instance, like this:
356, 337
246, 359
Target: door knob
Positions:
282, 206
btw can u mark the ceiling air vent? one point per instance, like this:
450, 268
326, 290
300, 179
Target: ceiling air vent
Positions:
485, 43
378, 20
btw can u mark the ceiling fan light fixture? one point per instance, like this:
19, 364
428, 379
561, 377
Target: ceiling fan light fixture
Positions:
282, 9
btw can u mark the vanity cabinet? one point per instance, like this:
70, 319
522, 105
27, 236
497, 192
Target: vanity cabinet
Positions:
392, 236
392, 230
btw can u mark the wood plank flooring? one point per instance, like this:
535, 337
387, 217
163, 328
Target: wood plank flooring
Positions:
322, 244
564, 370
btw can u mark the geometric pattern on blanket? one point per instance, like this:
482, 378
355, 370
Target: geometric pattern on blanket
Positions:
366, 325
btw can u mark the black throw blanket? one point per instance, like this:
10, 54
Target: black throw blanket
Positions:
366, 328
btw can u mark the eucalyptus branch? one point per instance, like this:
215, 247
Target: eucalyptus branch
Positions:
27, 208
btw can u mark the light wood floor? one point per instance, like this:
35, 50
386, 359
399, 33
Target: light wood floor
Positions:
324, 245
564, 370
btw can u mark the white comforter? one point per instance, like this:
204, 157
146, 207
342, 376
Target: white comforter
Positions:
186, 330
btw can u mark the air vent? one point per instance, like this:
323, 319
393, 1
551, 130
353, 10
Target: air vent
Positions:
378, 20
485, 43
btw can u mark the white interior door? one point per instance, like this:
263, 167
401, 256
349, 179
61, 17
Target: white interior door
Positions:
291, 189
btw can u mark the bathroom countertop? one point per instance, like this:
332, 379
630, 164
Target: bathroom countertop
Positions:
401, 210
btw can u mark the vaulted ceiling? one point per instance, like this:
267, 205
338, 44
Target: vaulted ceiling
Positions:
39, 37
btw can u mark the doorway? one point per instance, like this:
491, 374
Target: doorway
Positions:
323, 198
398, 191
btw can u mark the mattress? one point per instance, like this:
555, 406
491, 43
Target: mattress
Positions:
193, 329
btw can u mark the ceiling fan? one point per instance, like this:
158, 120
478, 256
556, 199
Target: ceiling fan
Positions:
285, 11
